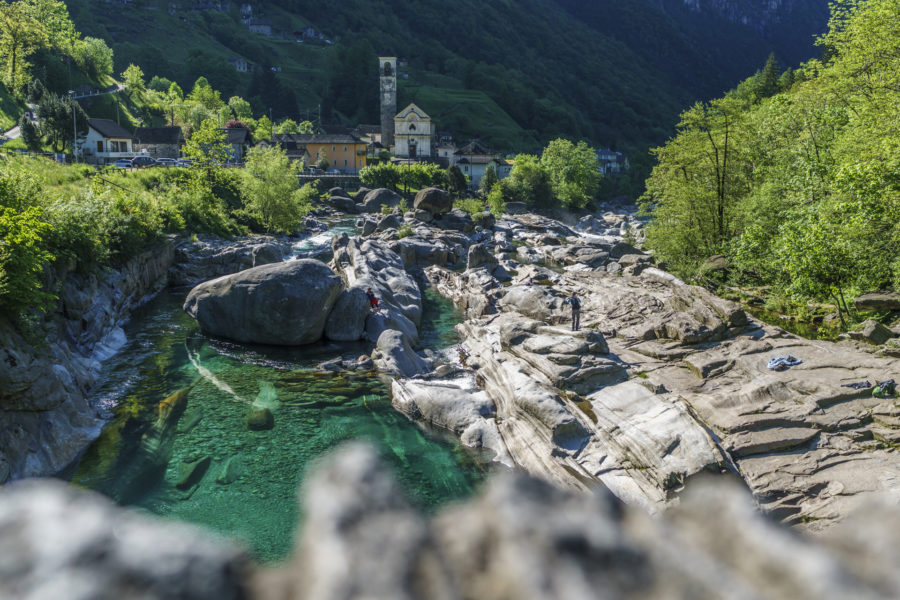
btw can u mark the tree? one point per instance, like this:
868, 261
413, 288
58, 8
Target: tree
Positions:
529, 182
20, 35
272, 190
240, 107
456, 181
574, 171
382, 175
287, 126
203, 94
55, 116
488, 180
94, 57
174, 97
207, 148
29, 134
323, 163
133, 77
263, 129
768, 78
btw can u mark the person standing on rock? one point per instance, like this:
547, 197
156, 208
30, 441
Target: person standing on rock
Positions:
373, 301
575, 301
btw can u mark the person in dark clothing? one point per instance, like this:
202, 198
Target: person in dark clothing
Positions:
575, 301
373, 301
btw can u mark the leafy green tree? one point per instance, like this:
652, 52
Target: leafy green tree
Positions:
207, 148
272, 190
55, 116
323, 163
94, 57
488, 180
241, 108
496, 201
288, 126
22, 261
529, 182
203, 94
768, 78
133, 77
456, 181
382, 175
263, 129
29, 134
574, 172
20, 35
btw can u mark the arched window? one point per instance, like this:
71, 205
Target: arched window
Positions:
412, 126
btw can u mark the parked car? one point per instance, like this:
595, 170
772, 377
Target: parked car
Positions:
334, 172
140, 162
183, 162
166, 162
125, 163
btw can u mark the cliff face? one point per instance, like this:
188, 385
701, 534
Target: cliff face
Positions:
766, 17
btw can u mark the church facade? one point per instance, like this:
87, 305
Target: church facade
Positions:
413, 131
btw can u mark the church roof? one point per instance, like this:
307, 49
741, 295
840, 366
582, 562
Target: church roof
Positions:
412, 108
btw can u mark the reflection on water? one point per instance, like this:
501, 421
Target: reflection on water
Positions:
188, 434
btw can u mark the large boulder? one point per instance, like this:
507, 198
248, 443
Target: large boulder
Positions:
347, 321
375, 199
455, 219
877, 301
343, 204
872, 332
434, 200
283, 303
396, 357
480, 255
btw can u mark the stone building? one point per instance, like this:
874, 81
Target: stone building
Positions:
387, 68
159, 142
412, 133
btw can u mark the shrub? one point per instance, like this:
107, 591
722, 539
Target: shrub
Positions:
22, 260
470, 205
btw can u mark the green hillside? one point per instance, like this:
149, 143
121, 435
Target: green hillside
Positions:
613, 73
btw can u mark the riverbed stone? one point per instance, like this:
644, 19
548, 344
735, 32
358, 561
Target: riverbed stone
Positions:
872, 332
259, 418
343, 204
284, 304
877, 301
375, 199
434, 200
190, 472
480, 256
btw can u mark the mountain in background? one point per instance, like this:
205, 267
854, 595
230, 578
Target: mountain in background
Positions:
513, 72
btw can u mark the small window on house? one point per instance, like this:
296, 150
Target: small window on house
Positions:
334, 163
345, 162
317, 155
345, 149
332, 147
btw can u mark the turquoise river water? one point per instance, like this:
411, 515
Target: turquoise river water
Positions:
178, 444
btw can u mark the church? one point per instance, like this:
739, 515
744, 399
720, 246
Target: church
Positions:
409, 133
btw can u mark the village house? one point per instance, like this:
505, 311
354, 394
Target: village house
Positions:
106, 142
445, 152
241, 64
159, 142
473, 159
412, 133
293, 150
345, 152
263, 26
611, 162
238, 140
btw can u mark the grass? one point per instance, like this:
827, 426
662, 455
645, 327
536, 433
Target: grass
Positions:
10, 109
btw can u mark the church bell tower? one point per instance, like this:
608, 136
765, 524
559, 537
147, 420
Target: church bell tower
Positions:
387, 70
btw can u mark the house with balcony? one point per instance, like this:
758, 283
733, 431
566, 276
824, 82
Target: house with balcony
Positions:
106, 142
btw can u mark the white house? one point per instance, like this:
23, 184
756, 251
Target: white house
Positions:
106, 141
412, 133
473, 159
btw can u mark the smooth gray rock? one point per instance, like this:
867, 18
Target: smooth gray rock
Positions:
396, 357
434, 200
347, 320
343, 204
57, 541
877, 301
390, 221
480, 256
872, 332
264, 254
374, 200
283, 304
455, 219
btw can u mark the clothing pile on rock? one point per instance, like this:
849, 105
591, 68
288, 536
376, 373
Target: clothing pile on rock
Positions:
780, 363
858, 385
884, 388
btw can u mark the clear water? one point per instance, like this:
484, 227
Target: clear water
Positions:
141, 456
318, 245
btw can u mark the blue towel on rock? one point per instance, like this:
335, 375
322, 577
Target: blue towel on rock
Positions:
780, 363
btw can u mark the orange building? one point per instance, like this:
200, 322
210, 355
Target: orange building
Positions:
345, 152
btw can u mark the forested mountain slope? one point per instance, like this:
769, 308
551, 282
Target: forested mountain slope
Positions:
515, 73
